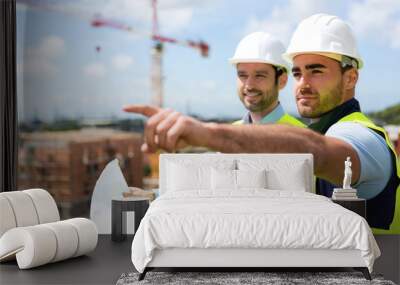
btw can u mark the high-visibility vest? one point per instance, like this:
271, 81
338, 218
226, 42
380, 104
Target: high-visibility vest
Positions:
285, 119
391, 191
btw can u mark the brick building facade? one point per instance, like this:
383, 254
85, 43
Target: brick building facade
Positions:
68, 163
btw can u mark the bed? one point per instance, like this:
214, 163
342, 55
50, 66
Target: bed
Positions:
247, 210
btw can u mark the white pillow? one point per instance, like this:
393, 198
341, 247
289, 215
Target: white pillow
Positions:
295, 180
251, 178
281, 175
182, 177
193, 174
223, 179
236, 179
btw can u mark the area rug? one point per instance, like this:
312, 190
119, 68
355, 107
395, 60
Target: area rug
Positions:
243, 278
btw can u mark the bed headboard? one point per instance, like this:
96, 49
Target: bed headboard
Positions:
286, 170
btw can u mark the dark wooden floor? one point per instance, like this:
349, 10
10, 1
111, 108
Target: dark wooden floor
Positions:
110, 259
102, 266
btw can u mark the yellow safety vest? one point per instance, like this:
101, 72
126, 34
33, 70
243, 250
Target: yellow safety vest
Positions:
360, 118
285, 119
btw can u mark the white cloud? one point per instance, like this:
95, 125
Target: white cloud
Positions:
39, 67
283, 18
173, 15
52, 47
121, 62
127, 9
377, 20
40, 59
49, 47
209, 85
396, 35
95, 70
173, 20
273, 26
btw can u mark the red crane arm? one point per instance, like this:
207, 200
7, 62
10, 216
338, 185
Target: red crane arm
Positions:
100, 22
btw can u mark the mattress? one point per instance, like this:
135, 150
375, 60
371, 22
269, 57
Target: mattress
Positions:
250, 219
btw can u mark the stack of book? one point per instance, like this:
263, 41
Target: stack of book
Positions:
344, 194
137, 192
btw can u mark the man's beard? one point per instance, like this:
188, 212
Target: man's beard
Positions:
267, 99
327, 104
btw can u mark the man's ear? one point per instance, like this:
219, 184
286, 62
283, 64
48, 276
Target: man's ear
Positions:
282, 80
350, 78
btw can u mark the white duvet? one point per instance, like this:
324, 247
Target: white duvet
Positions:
250, 219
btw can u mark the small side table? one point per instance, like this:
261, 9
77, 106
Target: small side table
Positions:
119, 206
358, 206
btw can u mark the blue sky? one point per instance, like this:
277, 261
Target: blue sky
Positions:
60, 73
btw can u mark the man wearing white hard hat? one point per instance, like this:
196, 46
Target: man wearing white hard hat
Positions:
261, 73
325, 68
326, 61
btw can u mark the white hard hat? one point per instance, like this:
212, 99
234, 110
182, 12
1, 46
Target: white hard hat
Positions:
260, 47
323, 33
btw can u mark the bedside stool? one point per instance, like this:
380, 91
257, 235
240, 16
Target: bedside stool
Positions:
358, 206
119, 207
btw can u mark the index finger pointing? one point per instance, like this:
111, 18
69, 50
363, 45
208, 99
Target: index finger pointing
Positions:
146, 110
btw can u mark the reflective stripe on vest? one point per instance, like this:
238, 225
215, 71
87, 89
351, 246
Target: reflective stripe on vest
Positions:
238, 122
285, 119
393, 186
290, 120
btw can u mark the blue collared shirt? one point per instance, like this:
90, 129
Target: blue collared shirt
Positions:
374, 155
270, 118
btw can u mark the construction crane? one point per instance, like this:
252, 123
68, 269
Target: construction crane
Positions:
157, 50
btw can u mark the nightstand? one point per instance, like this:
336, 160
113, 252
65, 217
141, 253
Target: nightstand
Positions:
358, 206
119, 207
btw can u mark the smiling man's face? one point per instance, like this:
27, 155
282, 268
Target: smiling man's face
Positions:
257, 87
318, 84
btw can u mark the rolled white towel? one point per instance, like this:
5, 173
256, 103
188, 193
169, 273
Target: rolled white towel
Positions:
40, 244
45, 205
87, 234
67, 240
33, 246
23, 208
26, 208
7, 218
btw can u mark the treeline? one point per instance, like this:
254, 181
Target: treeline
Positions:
388, 116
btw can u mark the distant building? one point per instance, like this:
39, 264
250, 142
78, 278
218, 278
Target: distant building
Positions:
68, 163
151, 181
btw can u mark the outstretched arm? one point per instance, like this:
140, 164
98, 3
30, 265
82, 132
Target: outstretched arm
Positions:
170, 130
329, 153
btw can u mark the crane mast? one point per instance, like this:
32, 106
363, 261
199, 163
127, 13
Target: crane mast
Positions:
156, 62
